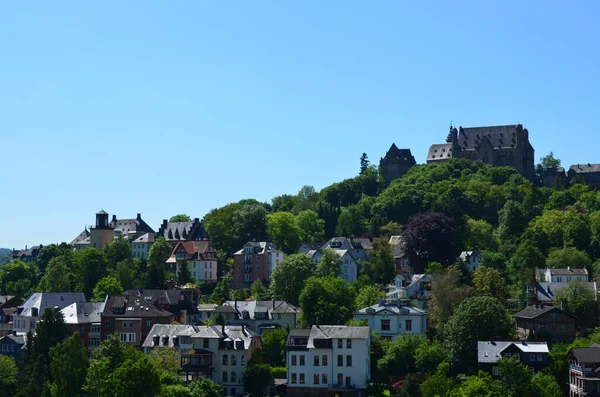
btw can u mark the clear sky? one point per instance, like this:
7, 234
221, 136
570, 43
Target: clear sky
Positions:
166, 107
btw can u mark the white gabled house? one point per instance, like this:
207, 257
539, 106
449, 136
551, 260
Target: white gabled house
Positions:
392, 318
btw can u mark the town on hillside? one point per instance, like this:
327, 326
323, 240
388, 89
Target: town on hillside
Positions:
475, 272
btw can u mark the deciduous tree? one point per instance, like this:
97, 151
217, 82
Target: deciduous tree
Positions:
489, 282
180, 218
368, 296
380, 265
578, 298
68, 366
327, 300
311, 226
284, 231
8, 376
329, 264
109, 285
289, 276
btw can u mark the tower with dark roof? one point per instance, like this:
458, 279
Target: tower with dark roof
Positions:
102, 234
396, 163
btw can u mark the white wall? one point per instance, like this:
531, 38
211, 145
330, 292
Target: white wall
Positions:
397, 323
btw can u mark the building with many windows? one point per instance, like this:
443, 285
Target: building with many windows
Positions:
255, 261
390, 318
141, 246
199, 256
327, 360
584, 371
220, 353
85, 318
28, 314
534, 355
260, 315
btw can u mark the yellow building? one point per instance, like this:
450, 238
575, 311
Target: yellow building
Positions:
102, 234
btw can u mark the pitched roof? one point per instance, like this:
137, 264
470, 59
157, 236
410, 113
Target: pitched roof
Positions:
83, 312
263, 246
584, 168
439, 151
546, 292
393, 307
81, 238
365, 243
183, 231
568, 272
131, 225
43, 300
175, 298
336, 332
500, 136
145, 238
18, 339
402, 155
534, 311
192, 247
467, 254
586, 355
231, 333
490, 351
252, 307
133, 307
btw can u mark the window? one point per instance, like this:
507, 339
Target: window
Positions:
324, 379
408, 325
225, 359
94, 342
348, 361
348, 381
233, 377
302, 360
225, 376
532, 357
385, 325
340, 343
148, 324
495, 371
340, 360
95, 328
324, 360
316, 361
294, 360
340, 379
12, 348
205, 343
531, 370
32, 324
243, 359
517, 356
349, 343
233, 360
294, 378
302, 379
127, 337
540, 357
316, 379
507, 355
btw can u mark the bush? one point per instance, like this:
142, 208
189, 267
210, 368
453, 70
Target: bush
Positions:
279, 372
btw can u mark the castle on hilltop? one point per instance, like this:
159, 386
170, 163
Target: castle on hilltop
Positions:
503, 145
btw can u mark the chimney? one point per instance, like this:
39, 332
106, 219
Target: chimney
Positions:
196, 220
223, 329
114, 218
548, 289
164, 224
139, 216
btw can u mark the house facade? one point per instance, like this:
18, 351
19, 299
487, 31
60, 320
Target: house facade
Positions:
565, 275
584, 173
389, 319
471, 258
260, 315
220, 353
199, 256
8, 308
86, 319
546, 292
141, 246
105, 231
534, 355
28, 314
547, 323
27, 254
395, 163
12, 346
175, 301
584, 371
255, 261
328, 360
418, 291
504, 145
358, 247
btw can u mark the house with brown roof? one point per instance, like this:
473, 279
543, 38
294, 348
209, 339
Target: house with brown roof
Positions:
503, 145
175, 301
546, 323
199, 256
132, 317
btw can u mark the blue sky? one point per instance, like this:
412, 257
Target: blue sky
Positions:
179, 107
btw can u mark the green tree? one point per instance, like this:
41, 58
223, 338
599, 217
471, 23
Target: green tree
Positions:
184, 276
327, 300
8, 376
258, 291
50, 331
109, 285
89, 266
207, 388
285, 202
284, 231
515, 377
399, 358
136, 377
221, 292
306, 199
524, 262
489, 282
493, 259
350, 222
157, 257
180, 218
50, 251
368, 296
460, 336
429, 356
410, 386
480, 385
129, 273
68, 366
364, 163
18, 278
578, 298
380, 265
568, 257
329, 264
480, 234
289, 277
545, 385
175, 391
58, 277
119, 250
274, 346
311, 226
167, 358
447, 293
256, 378
438, 383
38, 384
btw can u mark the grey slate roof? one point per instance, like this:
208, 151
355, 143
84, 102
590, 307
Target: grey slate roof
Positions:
18, 339
264, 247
439, 151
568, 272
546, 291
232, 333
391, 307
584, 168
586, 355
83, 312
131, 225
145, 238
534, 311
500, 136
253, 307
403, 155
82, 238
44, 300
336, 332
490, 351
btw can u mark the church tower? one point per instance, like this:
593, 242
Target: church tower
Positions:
102, 234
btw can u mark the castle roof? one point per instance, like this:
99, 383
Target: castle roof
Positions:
584, 168
439, 151
402, 155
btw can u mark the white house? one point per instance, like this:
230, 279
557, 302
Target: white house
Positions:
200, 257
349, 267
220, 353
29, 313
471, 258
392, 318
328, 359
260, 315
359, 247
141, 246
565, 275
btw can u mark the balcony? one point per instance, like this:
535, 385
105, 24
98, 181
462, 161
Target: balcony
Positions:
198, 361
247, 260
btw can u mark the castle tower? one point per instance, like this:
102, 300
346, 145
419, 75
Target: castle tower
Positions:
102, 234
